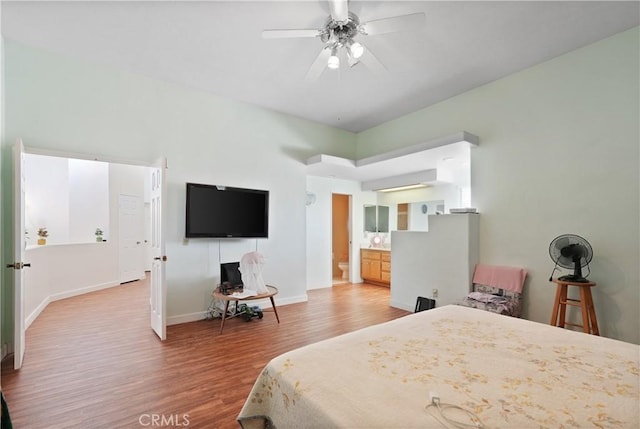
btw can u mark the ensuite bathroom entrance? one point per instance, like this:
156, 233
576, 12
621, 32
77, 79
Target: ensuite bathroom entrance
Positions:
341, 238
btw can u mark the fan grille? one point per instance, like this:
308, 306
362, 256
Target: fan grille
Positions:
566, 249
572, 252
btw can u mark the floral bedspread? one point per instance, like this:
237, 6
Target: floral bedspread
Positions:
509, 372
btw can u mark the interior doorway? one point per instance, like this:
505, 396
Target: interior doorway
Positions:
341, 239
75, 234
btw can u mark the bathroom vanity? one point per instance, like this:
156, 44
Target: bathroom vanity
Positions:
375, 266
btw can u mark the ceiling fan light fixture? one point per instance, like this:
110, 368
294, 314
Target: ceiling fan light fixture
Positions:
355, 48
334, 61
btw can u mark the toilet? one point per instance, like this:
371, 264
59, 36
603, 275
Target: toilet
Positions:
344, 266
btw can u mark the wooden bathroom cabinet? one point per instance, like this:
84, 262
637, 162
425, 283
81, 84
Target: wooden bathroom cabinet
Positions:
375, 266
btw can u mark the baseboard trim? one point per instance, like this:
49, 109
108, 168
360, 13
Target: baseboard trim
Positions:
263, 303
58, 296
186, 318
35, 313
82, 291
402, 306
171, 320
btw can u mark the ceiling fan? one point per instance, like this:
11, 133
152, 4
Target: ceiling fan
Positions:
339, 33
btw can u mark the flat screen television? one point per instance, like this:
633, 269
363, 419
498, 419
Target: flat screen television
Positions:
223, 211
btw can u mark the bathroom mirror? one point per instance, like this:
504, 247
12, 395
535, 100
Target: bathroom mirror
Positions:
415, 216
376, 218
409, 209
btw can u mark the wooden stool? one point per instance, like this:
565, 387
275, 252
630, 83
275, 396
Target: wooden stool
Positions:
589, 321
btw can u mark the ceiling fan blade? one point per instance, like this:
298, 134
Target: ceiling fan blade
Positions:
352, 60
370, 60
339, 10
318, 65
397, 23
286, 34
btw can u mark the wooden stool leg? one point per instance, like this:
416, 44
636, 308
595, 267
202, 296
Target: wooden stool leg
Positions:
592, 313
556, 307
563, 305
586, 322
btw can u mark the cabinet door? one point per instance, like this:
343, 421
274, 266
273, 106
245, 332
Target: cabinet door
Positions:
375, 271
370, 265
365, 269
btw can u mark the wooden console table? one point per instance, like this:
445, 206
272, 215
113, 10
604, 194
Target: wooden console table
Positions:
589, 321
228, 298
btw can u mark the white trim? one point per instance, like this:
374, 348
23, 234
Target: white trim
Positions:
186, 318
74, 155
401, 306
82, 291
35, 313
263, 303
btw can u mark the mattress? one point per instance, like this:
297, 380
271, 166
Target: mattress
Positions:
504, 371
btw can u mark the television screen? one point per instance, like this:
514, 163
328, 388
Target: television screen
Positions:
223, 211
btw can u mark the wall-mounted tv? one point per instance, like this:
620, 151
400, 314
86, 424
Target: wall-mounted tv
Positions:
223, 211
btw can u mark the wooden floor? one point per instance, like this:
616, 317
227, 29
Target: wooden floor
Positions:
92, 361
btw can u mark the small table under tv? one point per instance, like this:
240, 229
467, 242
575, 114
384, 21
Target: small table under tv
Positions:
237, 298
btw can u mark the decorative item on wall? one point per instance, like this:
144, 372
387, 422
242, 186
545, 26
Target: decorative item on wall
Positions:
42, 234
311, 198
99, 234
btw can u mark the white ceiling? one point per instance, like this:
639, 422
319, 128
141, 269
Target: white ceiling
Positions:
216, 46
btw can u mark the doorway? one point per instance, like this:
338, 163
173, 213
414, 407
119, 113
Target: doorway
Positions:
96, 258
341, 239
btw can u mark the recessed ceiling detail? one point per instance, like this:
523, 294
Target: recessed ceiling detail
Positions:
408, 165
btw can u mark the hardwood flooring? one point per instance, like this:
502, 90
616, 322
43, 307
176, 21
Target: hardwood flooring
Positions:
92, 361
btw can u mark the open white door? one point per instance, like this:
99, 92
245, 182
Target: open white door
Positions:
158, 283
18, 255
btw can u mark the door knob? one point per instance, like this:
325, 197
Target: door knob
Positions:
18, 265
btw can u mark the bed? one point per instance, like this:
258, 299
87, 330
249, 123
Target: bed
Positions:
508, 372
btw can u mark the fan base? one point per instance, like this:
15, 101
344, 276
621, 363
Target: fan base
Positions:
572, 278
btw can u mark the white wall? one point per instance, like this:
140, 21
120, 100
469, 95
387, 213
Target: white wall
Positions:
318, 228
54, 102
47, 198
88, 200
68, 197
558, 153
443, 258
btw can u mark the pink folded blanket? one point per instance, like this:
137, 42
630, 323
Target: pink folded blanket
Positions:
508, 278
